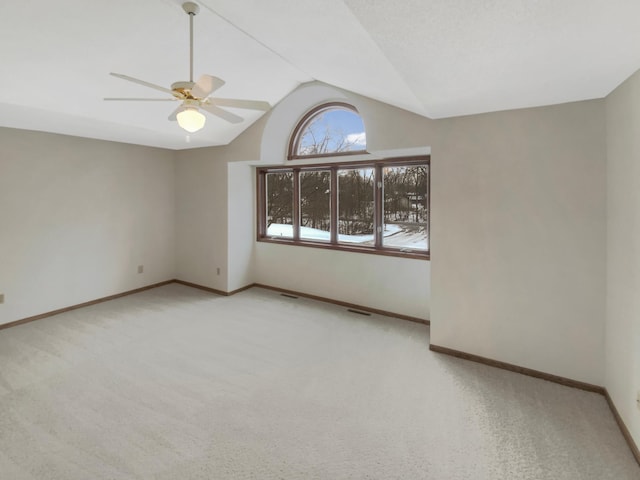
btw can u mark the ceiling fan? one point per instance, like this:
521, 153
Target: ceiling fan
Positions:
195, 95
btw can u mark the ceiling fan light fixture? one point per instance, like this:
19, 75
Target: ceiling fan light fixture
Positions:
190, 119
195, 95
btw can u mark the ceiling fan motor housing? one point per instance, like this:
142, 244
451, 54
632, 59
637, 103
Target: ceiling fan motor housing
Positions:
184, 88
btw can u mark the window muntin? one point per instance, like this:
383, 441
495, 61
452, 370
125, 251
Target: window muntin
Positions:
373, 207
330, 129
279, 204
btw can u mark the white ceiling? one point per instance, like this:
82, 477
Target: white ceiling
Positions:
438, 58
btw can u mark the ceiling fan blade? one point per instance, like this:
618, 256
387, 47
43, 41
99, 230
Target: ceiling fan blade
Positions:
116, 99
237, 103
173, 117
205, 85
143, 83
228, 116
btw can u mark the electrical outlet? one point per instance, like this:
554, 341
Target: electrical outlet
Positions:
638, 399
140, 268
218, 271
1, 297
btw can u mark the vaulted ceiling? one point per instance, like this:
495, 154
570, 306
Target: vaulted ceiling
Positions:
437, 58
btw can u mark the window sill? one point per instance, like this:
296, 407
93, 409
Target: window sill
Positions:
349, 248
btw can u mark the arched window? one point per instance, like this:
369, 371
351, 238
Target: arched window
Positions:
330, 129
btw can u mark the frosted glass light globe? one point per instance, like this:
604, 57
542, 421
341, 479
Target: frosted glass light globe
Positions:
191, 119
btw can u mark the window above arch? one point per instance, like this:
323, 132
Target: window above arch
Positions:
330, 129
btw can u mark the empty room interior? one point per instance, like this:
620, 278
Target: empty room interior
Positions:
320, 240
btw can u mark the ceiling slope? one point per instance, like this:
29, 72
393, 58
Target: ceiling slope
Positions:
467, 56
437, 58
56, 58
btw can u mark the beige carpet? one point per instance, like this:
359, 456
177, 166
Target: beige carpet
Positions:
175, 383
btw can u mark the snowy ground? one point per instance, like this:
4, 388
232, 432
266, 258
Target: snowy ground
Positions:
394, 236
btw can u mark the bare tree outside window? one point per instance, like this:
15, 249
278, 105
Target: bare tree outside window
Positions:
315, 205
406, 203
330, 130
376, 206
322, 136
279, 191
381, 206
356, 206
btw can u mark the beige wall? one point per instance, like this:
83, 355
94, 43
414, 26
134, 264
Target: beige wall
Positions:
242, 225
77, 217
518, 227
535, 229
216, 188
215, 192
390, 131
215, 220
623, 251
387, 283
525, 173
201, 217
518, 238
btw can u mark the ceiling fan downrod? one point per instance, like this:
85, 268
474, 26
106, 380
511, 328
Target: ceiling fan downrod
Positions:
192, 10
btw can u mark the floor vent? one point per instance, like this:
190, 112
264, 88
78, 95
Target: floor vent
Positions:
287, 295
358, 312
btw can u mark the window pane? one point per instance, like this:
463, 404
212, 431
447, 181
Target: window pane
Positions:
334, 130
355, 206
279, 190
405, 207
315, 206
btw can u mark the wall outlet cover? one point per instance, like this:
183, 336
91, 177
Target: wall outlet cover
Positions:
140, 268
